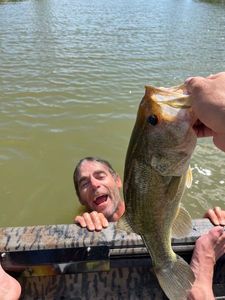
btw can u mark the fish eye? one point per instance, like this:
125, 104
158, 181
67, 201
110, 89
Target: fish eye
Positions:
153, 120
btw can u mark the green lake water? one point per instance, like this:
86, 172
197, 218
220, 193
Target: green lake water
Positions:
72, 74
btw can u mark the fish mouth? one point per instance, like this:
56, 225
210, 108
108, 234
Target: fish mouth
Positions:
101, 199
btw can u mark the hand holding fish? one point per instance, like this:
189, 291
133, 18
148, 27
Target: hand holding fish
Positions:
92, 221
208, 96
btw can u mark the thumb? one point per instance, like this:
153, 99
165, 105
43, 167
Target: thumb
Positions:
194, 83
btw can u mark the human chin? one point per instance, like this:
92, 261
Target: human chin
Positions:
110, 209
107, 208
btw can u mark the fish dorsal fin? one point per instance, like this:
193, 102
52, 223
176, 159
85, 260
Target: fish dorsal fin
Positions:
182, 224
189, 178
123, 224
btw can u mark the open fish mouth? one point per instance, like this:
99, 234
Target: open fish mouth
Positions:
101, 199
175, 97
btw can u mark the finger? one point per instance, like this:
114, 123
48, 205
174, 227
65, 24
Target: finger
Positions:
211, 76
214, 76
188, 79
88, 220
221, 238
223, 217
216, 233
201, 130
96, 220
219, 141
210, 214
104, 221
80, 220
194, 83
220, 214
219, 247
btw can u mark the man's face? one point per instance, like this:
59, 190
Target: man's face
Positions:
98, 188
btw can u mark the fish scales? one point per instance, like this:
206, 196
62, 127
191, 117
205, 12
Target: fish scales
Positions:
139, 206
155, 175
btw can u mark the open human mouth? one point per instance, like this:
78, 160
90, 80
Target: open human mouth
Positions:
100, 199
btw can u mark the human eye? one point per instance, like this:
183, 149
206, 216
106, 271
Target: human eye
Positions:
100, 175
84, 184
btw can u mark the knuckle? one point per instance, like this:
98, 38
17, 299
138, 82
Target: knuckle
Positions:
94, 213
197, 83
86, 215
217, 208
211, 211
78, 219
94, 217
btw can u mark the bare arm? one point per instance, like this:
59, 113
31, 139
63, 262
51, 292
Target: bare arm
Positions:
208, 249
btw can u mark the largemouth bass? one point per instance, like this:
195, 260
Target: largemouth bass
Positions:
156, 173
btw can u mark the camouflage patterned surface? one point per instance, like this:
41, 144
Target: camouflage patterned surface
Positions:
119, 283
130, 275
69, 236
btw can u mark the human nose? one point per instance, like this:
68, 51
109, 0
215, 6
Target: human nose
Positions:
94, 183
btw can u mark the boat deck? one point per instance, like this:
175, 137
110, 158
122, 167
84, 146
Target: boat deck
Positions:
68, 262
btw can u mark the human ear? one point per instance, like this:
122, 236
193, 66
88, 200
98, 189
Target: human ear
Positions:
118, 181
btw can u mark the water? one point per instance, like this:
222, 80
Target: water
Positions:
72, 74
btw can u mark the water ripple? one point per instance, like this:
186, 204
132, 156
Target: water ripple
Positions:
72, 75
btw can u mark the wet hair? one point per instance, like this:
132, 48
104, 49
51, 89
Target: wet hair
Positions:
90, 158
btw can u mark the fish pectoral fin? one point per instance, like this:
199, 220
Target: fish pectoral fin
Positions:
176, 279
182, 224
189, 178
123, 224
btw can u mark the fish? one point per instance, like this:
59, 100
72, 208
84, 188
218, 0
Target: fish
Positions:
156, 173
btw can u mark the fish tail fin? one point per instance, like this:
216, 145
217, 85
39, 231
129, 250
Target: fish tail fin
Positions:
176, 279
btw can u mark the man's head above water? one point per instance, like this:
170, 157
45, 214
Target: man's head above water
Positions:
98, 187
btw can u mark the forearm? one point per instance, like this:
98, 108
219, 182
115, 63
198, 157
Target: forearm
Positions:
199, 293
202, 287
